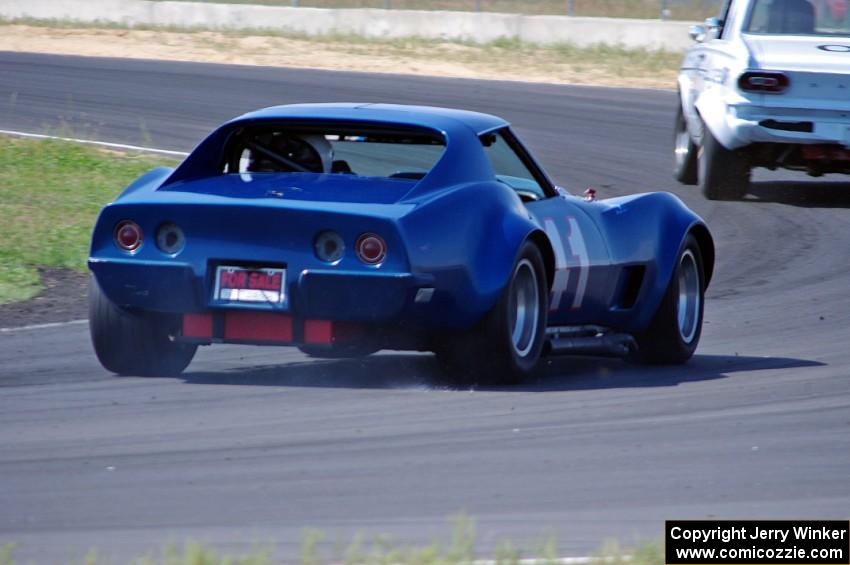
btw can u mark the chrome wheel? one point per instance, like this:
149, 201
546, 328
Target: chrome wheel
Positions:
688, 307
682, 146
524, 308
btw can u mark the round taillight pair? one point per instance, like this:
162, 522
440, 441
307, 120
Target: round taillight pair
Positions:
371, 249
330, 247
128, 236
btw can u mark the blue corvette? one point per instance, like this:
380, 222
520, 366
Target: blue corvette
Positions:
343, 229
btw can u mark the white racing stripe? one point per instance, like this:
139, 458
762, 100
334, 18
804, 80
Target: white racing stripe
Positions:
97, 143
43, 326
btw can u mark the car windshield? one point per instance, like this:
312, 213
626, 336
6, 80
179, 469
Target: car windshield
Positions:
800, 17
369, 152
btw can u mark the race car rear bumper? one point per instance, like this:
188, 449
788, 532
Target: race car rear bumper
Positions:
340, 295
748, 124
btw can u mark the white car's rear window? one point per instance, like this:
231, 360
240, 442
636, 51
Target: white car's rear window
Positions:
800, 17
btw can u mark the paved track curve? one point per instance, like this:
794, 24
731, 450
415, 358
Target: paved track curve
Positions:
257, 443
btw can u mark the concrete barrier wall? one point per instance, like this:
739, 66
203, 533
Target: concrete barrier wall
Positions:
478, 27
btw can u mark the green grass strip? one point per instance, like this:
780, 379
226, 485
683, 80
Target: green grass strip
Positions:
50, 195
318, 549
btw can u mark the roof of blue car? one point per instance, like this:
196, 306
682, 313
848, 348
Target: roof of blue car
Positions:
424, 116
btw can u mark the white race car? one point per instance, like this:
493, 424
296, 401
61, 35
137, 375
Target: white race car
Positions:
766, 85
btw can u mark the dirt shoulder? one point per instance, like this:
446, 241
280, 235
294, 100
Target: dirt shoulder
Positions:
506, 60
62, 299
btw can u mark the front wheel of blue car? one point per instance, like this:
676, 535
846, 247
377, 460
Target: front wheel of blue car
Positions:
135, 343
505, 347
674, 332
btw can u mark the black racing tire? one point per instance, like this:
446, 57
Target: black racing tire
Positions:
347, 351
135, 343
723, 174
505, 347
671, 339
684, 151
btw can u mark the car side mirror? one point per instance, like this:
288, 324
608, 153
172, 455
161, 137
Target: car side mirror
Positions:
713, 27
710, 29
697, 33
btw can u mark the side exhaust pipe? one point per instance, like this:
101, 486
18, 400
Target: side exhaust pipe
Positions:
589, 340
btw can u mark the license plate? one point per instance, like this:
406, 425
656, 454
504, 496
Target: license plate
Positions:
240, 284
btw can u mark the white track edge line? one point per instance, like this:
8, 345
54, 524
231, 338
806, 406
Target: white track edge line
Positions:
97, 143
584, 560
43, 326
539, 561
551, 561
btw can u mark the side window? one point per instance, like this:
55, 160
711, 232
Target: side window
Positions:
510, 168
759, 17
723, 16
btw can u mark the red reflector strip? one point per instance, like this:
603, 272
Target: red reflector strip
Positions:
198, 325
825, 152
257, 326
326, 332
318, 331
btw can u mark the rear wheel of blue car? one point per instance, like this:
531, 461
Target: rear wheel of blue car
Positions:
135, 343
674, 333
505, 347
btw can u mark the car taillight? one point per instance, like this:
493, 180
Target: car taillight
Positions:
170, 238
371, 249
764, 81
128, 235
329, 246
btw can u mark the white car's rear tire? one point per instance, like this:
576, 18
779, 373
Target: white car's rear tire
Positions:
723, 174
684, 151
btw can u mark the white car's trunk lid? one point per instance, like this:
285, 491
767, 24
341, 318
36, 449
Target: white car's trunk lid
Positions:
805, 53
818, 69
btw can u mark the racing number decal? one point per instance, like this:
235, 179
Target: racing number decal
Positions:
562, 272
563, 268
580, 254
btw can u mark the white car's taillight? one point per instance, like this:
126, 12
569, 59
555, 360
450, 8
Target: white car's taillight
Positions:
769, 82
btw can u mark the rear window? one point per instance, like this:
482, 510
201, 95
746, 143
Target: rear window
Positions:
800, 17
344, 150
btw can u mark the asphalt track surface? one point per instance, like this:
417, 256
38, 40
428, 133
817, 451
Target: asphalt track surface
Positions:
254, 444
